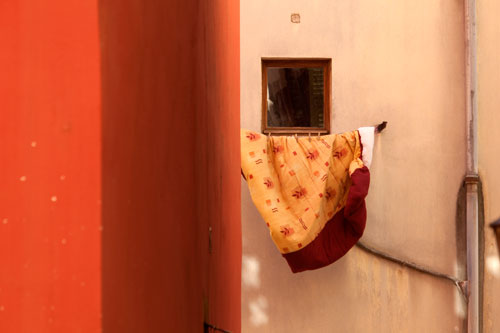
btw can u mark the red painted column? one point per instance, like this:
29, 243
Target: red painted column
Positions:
116, 216
49, 167
152, 268
218, 160
170, 76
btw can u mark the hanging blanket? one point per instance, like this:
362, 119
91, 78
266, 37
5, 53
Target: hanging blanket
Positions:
310, 191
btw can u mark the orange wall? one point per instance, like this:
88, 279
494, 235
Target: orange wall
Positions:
49, 167
163, 78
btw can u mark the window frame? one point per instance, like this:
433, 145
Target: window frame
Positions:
326, 64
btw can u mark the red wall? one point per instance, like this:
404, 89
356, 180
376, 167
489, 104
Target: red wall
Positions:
170, 76
163, 79
49, 134
218, 157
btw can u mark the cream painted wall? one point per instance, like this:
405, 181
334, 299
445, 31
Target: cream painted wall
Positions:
400, 61
489, 150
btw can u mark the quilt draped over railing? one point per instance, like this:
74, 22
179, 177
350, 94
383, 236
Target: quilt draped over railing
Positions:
310, 191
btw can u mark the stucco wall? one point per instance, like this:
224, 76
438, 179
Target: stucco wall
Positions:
391, 60
488, 44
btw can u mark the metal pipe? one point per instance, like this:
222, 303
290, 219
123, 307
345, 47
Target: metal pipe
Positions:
471, 178
471, 85
460, 284
472, 254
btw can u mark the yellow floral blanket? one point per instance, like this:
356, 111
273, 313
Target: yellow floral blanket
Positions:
298, 184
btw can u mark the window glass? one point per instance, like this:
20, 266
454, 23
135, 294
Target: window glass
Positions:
295, 97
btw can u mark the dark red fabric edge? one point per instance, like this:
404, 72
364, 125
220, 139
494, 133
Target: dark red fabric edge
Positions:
340, 233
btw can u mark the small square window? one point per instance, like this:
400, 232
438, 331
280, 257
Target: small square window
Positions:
296, 96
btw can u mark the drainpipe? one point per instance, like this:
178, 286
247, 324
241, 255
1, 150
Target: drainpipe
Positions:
472, 178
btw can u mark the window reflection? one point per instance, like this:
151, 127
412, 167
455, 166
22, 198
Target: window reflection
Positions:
295, 97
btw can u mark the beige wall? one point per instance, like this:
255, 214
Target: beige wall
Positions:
489, 150
400, 61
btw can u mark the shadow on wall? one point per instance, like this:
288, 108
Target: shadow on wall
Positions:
162, 108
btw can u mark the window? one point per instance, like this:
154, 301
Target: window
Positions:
296, 96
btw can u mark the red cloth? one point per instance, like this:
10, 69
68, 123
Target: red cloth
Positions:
340, 233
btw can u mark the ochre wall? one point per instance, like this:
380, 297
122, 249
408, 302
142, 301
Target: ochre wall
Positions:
488, 71
398, 61
50, 190
170, 77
